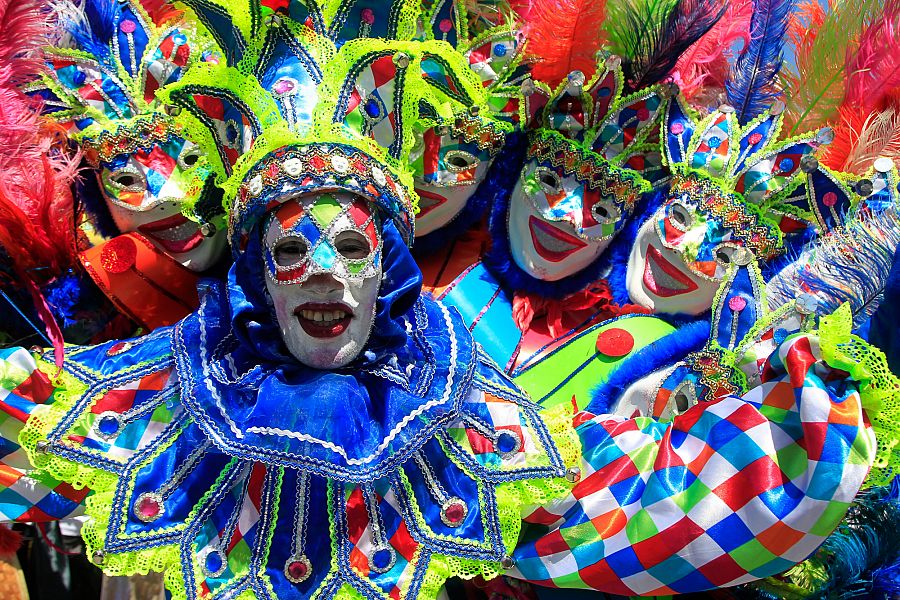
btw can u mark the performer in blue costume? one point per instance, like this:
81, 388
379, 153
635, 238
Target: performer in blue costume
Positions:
317, 428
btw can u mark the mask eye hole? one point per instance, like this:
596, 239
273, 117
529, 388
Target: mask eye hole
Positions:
458, 161
605, 212
548, 179
352, 245
289, 252
127, 179
680, 217
189, 156
724, 254
684, 397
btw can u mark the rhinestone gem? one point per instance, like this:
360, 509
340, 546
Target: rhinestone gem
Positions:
42, 447
864, 187
786, 164
742, 257
445, 25
284, 86
79, 78
500, 50
298, 569
372, 109
507, 562
213, 562
506, 443
108, 424
118, 348
172, 111
573, 475
401, 59
755, 138
737, 303
98, 556
726, 108
825, 135
829, 199
207, 230
453, 512
368, 16
714, 142
677, 128
883, 164
808, 163
127, 26
148, 507
382, 559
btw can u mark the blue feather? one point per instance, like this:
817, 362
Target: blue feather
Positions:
95, 33
751, 83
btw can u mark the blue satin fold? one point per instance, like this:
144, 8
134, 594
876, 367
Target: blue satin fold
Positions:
253, 398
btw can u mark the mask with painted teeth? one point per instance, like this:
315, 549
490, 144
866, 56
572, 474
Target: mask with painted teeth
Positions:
323, 265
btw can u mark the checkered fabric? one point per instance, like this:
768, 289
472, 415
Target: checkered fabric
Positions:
23, 497
730, 491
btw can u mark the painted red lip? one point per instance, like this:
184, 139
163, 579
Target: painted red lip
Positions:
321, 329
656, 264
163, 232
428, 201
544, 235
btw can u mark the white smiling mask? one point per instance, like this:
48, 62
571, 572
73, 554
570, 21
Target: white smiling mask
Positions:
323, 271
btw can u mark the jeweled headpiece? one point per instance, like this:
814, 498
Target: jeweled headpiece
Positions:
595, 133
292, 113
758, 190
104, 90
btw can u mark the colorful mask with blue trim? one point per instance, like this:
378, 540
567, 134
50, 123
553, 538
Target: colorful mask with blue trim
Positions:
290, 164
104, 93
577, 188
733, 187
323, 270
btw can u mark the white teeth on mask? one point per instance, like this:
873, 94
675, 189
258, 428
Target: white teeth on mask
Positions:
323, 316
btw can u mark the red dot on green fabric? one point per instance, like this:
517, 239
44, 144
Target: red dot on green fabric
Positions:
615, 342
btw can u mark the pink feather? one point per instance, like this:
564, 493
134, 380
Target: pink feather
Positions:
24, 29
873, 70
706, 63
563, 36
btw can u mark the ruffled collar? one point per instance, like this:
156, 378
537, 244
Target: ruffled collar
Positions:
353, 424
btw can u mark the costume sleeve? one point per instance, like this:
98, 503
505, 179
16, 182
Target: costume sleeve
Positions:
25, 495
728, 492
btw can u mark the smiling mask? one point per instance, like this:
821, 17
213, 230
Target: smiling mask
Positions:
323, 270
149, 172
580, 181
735, 192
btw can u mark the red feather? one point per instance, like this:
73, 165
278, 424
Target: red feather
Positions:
161, 11
706, 63
563, 36
873, 71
